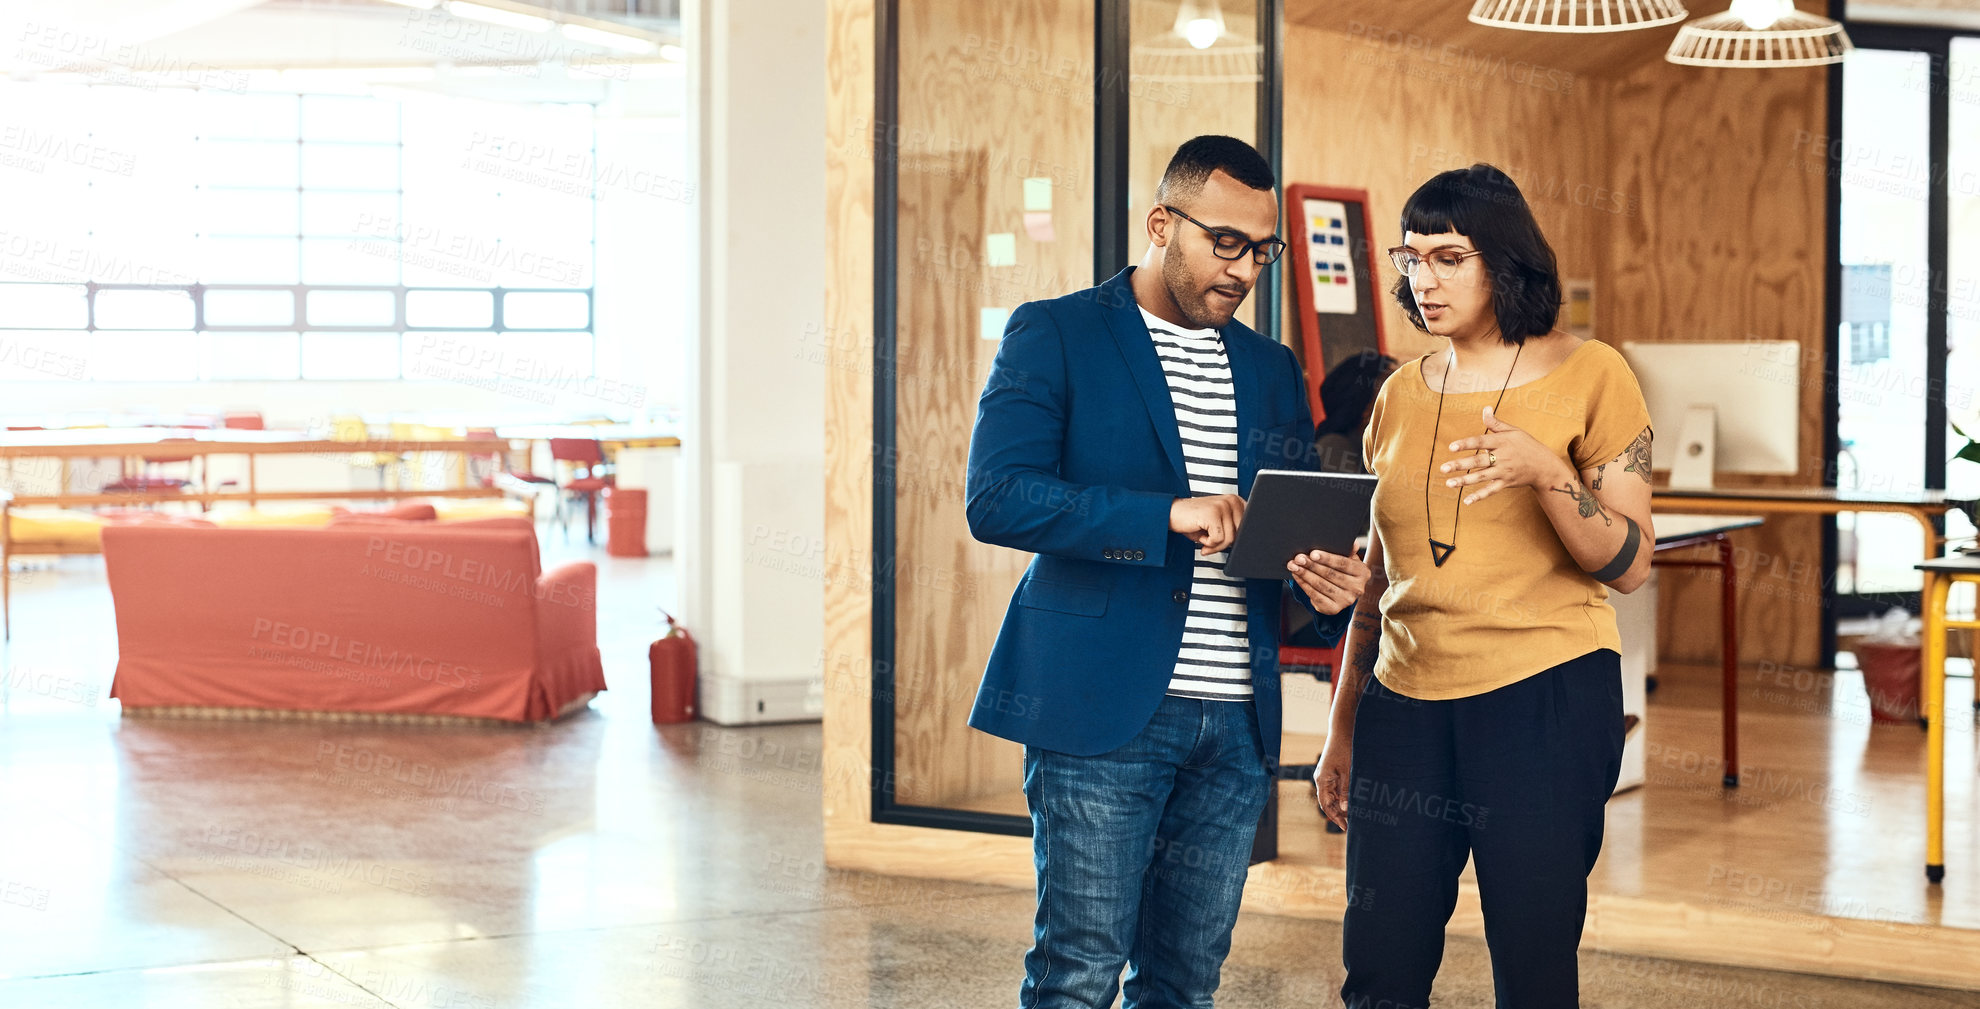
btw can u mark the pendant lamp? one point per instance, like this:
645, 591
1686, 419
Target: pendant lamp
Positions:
1577, 15
1760, 33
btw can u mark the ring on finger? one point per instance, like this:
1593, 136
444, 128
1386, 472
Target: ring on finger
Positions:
1491, 457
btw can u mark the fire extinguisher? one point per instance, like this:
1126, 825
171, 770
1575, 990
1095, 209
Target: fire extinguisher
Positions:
673, 674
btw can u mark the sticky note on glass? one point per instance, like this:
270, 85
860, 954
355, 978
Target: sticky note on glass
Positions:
991, 322
1038, 224
1038, 194
1000, 249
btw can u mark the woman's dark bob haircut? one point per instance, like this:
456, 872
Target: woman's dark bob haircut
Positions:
1483, 204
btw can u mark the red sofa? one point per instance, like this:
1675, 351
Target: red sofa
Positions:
364, 616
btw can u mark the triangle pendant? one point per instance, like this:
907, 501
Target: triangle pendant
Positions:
1441, 552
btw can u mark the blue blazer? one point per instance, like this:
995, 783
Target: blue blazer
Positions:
1076, 458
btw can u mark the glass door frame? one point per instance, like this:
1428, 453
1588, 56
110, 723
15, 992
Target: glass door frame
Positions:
1936, 45
1112, 230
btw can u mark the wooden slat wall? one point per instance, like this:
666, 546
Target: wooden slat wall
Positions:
847, 653
1359, 116
1727, 245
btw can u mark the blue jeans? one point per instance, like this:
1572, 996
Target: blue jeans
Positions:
1141, 856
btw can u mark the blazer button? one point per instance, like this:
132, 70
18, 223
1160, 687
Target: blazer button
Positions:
1138, 555
1109, 554
1180, 595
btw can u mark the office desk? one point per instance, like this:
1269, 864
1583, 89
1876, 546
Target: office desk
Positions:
1941, 575
173, 443
1679, 532
1925, 507
610, 436
151, 443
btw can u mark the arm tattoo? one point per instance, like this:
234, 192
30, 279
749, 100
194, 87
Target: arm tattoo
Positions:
1584, 501
1597, 485
1370, 626
1639, 456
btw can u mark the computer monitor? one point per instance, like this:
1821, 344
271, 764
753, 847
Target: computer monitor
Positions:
1727, 406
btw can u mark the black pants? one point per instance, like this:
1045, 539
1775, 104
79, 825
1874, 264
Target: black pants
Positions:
1517, 778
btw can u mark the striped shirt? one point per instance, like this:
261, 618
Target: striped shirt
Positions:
1214, 662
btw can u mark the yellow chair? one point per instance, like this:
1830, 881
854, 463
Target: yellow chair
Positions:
1941, 575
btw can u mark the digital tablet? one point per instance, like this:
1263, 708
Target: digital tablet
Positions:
1293, 511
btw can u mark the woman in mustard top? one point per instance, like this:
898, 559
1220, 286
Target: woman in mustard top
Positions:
1479, 713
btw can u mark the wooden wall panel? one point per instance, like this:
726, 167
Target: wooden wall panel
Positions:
847, 656
1727, 244
1360, 116
991, 95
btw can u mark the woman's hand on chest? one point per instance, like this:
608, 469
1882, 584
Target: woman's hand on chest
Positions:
1502, 458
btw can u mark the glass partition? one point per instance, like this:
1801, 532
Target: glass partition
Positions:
990, 144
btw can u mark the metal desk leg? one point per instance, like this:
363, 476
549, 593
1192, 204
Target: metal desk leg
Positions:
1936, 591
1729, 662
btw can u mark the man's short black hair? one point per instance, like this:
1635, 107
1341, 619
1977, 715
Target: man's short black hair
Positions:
1198, 157
1483, 204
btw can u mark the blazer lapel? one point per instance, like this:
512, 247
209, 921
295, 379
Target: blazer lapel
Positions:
1244, 385
1138, 349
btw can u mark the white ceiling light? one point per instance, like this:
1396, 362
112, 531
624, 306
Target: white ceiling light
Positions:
498, 16
1760, 33
1577, 15
609, 39
1199, 24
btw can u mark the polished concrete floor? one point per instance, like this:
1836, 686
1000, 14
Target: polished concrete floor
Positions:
593, 863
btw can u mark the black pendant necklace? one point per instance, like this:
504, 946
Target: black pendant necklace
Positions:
1441, 551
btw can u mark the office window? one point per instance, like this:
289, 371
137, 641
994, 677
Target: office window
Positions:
267, 236
1881, 375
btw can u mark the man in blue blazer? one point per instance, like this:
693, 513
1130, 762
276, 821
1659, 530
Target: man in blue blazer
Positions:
1115, 438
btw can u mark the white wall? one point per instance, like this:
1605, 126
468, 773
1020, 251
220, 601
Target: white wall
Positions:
751, 579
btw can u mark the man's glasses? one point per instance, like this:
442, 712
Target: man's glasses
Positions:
1443, 262
1227, 244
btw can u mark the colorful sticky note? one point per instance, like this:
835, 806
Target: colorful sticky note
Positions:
1000, 249
1037, 194
1038, 224
991, 322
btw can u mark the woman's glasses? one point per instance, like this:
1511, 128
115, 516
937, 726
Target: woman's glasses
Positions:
1443, 262
1226, 244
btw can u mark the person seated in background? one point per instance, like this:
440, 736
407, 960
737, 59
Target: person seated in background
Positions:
1347, 395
